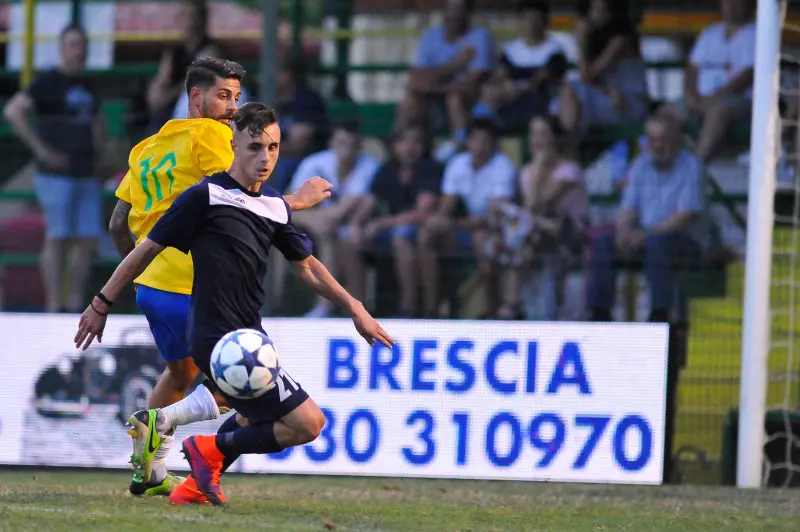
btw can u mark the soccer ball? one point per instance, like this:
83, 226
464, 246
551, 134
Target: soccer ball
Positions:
245, 364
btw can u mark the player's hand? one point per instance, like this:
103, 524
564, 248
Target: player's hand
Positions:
312, 192
91, 325
370, 330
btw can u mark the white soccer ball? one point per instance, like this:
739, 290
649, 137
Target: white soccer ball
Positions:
245, 364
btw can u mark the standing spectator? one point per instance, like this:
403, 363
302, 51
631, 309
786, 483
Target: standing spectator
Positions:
613, 85
718, 81
65, 143
450, 63
351, 172
405, 191
549, 226
472, 182
167, 86
660, 216
303, 119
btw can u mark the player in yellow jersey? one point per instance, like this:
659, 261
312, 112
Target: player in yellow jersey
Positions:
160, 168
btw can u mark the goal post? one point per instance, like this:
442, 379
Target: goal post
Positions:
756, 328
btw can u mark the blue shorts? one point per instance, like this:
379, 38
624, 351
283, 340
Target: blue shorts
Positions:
167, 313
385, 237
72, 205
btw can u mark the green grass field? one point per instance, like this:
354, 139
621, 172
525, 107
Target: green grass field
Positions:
55, 501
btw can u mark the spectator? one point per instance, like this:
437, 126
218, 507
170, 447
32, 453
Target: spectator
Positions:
613, 86
450, 63
167, 86
532, 66
351, 172
660, 216
550, 223
303, 119
472, 182
718, 80
65, 144
405, 190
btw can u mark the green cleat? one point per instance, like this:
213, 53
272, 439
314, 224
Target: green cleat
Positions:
146, 441
139, 487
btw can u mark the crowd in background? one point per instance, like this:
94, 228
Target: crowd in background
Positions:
463, 198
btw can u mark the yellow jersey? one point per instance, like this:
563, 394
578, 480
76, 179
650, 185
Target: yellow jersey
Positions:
160, 168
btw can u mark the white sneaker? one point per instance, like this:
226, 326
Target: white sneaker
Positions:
320, 310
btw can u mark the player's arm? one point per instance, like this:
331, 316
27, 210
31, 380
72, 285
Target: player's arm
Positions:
316, 276
118, 229
311, 192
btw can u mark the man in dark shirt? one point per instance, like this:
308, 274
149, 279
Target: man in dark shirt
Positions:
64, 143
229, 221
303, 120
404, 191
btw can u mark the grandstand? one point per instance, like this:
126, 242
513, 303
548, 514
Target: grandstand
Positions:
360, 53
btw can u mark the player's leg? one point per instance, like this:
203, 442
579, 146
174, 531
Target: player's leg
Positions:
283, 417
166, 313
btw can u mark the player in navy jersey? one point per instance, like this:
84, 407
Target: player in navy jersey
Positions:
229, 221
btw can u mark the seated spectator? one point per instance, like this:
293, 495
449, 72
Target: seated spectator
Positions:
66, 140
551, 220
718, 81
450, 63
167, 86
405, 192
660, 217
613, 86
351, 173
531, 67
303, 120
472, 182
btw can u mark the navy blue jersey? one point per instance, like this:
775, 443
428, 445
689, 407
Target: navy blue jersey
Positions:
229, 232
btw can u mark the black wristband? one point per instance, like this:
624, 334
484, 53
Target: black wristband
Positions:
97, 311
104, 299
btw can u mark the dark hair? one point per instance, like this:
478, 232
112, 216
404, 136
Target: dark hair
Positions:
204, 71
397, 134
255, 117
541, 6
556, 129
348, 126
485, 123
74, 27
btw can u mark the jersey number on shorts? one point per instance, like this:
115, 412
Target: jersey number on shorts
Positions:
286, 385
164, 167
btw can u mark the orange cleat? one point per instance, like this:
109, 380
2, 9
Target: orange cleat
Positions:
206, 462
187, 493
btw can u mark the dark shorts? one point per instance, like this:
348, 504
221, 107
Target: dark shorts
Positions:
166, 313
272, 406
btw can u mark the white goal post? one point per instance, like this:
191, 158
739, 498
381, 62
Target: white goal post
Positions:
764, 142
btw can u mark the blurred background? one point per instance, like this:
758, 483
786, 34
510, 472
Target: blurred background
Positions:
525, 160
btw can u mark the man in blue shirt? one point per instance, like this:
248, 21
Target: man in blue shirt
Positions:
660, 216
450, 63
229, 221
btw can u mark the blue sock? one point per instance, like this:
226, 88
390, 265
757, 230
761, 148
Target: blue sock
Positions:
251, 439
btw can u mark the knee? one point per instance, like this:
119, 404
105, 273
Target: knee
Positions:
312, 427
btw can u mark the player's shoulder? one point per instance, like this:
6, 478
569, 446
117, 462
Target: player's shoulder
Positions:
207, 127
137, 150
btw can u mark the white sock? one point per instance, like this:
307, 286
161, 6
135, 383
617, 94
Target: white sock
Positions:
160, 462
197, 406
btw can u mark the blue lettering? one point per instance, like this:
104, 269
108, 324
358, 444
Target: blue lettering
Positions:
467, 371
419, 366
341, 360
503, 418
530, 377
281, 455
569, 370
381, 368
503, 348
425, 435
373, 438
639, 424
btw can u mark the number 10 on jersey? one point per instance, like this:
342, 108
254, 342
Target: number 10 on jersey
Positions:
157, 173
